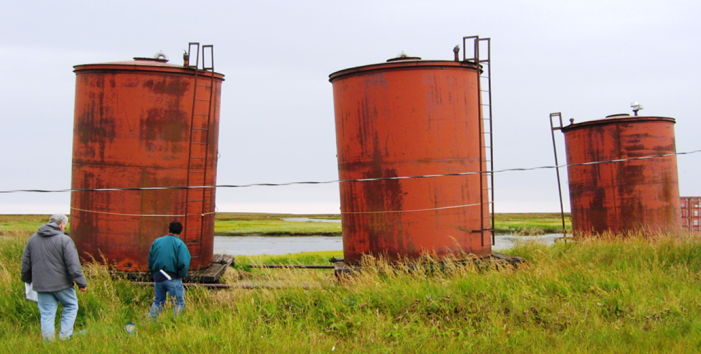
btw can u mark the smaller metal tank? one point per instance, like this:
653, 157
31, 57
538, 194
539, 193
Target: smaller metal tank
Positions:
623, 196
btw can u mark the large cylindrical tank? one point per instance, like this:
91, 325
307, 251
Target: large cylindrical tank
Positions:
625, 196
410, 118
143, 123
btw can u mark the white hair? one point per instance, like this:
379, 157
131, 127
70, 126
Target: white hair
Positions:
58, 219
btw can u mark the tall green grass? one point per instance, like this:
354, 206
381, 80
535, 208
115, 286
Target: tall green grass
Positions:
629, 295
13, 223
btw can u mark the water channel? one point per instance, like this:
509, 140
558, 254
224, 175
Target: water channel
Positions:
276, 245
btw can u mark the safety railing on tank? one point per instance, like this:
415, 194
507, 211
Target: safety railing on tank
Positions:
197, 207
553, 128
486, 137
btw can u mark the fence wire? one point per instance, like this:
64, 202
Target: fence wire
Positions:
341, 181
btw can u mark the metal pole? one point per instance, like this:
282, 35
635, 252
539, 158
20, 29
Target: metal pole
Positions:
557, 170
283, 266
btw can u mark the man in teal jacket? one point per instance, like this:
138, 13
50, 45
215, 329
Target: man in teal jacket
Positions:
169, 260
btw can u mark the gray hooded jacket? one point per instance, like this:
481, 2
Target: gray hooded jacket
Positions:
50, 261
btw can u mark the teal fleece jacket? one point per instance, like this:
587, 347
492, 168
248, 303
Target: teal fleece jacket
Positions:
170, 254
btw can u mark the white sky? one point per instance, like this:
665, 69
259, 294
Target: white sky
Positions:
584, 59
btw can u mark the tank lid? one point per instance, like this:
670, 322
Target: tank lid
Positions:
143, 64
159, 59
618, 115
626, 119
403, 64
403, 57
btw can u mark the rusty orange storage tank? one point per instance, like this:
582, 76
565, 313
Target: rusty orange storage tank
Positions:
619, 197
144, 123
411, 117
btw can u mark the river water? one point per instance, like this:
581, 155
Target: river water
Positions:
275, 245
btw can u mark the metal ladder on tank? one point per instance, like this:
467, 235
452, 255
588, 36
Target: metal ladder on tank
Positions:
196, 207
485, 136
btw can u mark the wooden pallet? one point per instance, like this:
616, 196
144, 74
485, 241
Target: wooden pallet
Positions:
209, 275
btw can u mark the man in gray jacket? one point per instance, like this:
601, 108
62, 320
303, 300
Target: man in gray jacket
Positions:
50, 262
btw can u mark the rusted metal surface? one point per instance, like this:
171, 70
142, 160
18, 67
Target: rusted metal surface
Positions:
408, 118
628, 196
691, 213
134, 127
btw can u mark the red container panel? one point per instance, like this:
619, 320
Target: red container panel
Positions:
632, 195
407, 119
134, 128
691, 213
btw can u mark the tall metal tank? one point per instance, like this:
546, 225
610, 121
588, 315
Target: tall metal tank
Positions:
144, 123
411, 117
626, 196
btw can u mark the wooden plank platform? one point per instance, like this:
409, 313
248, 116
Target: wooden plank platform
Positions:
210, 275
213, 273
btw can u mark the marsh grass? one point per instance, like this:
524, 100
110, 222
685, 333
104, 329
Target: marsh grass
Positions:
607, 294
14, 223
242, 224
275, 227
530, 224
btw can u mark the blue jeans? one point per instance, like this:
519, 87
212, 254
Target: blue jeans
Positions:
174, 287
48, 304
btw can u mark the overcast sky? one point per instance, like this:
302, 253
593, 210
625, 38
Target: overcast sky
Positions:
586, 59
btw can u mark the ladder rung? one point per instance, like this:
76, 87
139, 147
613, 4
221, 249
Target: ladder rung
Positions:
197, 157
202, 171
200, 128
196, 200
202, 99
201, 114
205, 85
192, 142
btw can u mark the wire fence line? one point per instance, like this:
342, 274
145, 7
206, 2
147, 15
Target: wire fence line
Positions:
343, 181
154, 215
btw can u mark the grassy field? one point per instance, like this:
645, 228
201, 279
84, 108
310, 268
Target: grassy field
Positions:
242, 224
633, 295
530, 224
12, 223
